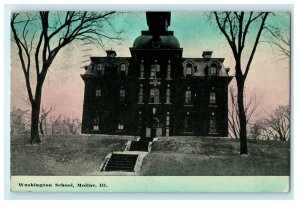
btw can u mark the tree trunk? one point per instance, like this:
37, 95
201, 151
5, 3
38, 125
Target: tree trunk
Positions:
242, 117
35, 115
41, 128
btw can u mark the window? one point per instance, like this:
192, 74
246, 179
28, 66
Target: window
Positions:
187, 125
213, 69
142, 70
188, 97
212, 125
169, 70
168, 93
141, 94
96, 122
122, 94
167, 120
100, 69
189, 69
154, 95
120, 126
155, 70
212, 98
123, 69
98, 93
167, 132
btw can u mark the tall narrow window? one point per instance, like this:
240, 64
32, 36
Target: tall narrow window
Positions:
212, 124
188, 97
213, 70
96, 122
142, 69
167, 120
98, 92
152, 74
167, 132
212, 98
187, 125
155, 70
169, 70
122, 94
123, 69
154, 95
141, 94
100, 69
189, 69
168, 94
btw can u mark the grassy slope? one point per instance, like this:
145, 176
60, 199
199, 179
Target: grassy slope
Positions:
215, 157
83, 155
62, 155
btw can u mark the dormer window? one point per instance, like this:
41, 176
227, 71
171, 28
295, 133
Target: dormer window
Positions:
213, 70
189, 69
123, 69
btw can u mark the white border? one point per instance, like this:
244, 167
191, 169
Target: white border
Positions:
6, 78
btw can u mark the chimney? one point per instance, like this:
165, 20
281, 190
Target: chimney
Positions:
207, 54
111, 53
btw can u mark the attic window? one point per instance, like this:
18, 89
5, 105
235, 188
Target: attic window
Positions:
213, 70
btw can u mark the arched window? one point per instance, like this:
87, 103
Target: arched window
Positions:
189, 68
213, 71
123, 69
100, 69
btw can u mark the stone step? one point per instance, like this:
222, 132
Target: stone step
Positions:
121, 162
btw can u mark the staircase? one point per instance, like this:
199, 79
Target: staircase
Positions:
139, 146
121, 162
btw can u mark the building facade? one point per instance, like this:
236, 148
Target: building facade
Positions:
156, 92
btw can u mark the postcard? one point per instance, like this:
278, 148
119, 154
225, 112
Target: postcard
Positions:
150, 101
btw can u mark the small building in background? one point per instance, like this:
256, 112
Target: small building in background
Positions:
19, 122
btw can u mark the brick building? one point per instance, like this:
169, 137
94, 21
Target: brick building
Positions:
156, 91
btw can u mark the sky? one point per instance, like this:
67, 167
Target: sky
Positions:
63, 88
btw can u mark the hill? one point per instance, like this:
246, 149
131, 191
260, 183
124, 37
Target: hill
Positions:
169, 156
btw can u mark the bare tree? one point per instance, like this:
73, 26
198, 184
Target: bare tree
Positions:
250, 104
73, 125
43, 119
279, 38
277, 124
236, 26
40, 36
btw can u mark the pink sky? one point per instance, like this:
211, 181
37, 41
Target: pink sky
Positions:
64, 87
